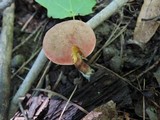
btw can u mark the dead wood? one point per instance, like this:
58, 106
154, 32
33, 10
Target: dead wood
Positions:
6, 41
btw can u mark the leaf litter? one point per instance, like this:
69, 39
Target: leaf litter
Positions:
147, 24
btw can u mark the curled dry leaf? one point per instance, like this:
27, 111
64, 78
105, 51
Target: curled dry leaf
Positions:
104, 112
146, 28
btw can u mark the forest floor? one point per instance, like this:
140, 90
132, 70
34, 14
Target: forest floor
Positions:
126, 78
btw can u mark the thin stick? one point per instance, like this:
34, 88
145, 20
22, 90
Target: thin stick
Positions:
28, 38
117, 75
144, 107
20, 77
40, 83
39, 33
67, 103
108, 42
22, 110
28, 21
58, 80
132, 71
110, 38
115, 37
106, 13
150, 68
122, 46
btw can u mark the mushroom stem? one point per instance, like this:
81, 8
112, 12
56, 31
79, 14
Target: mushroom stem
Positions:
84, 68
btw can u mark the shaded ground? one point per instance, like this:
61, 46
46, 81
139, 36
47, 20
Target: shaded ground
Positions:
124, 72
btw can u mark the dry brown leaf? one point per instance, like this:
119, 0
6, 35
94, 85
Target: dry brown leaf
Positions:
145, 29
44, 108
92, 115
104, 112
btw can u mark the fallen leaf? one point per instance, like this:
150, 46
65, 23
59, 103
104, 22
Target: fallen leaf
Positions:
104, 112
92, 115
146, 26
44, 108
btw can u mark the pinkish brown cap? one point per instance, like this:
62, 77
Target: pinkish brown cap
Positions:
58, 41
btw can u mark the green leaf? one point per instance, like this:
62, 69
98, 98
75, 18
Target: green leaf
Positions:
67, 8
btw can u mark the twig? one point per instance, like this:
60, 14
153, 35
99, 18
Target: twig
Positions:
39, 33
28, 21
155, 18
120, 77
132, 71
116, 36
4, 4
67, 103
106, 13
122, 46
41, 59
6, 42
22, 110
144, 106
155, 104
58, 80
40, 83
109, 39
152, 56
150, 68
20, 77
28, 38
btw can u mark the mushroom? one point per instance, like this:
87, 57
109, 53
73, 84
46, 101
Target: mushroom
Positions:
70, 42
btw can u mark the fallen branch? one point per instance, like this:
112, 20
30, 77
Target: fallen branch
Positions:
41, 59
106, 13
4, 4
6, 42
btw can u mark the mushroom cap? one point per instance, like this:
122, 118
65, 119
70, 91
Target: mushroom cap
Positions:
60, 39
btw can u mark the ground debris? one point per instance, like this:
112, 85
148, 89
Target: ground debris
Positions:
103, 112
43, 108
146, 27
124, 72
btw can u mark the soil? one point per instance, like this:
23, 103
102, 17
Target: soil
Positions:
124, 72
